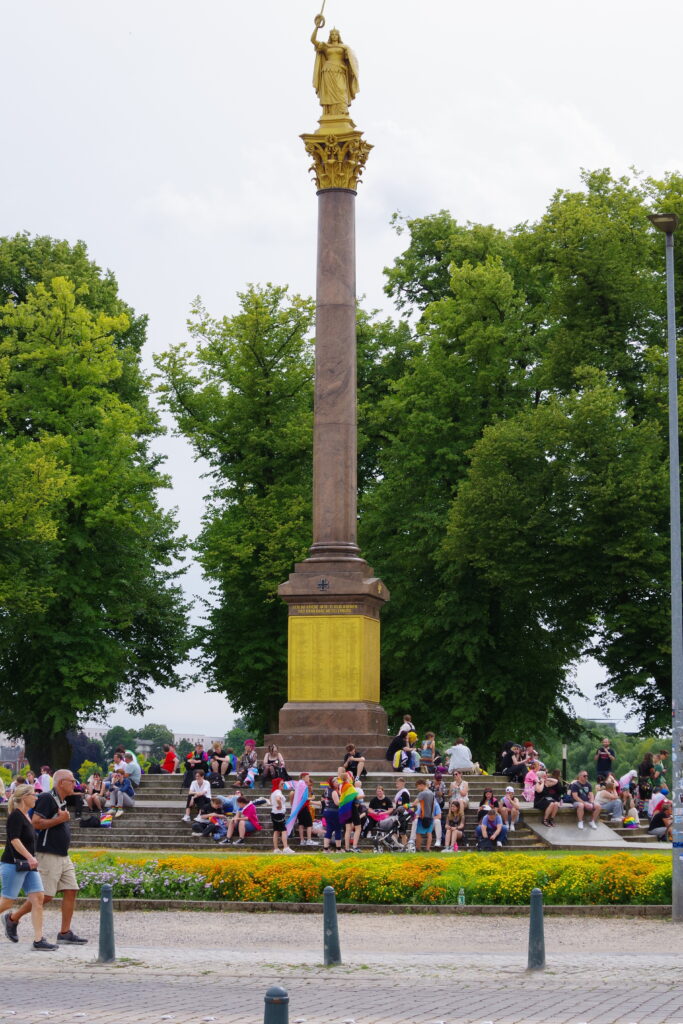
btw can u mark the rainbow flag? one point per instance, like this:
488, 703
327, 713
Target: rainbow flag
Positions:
347, 796
298, 800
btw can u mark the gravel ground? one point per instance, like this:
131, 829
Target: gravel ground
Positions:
382, 934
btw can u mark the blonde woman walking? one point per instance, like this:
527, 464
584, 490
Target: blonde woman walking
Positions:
19, 867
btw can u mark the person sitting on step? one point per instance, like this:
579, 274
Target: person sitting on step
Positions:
245, 822
199, 796
584, 802
354, 762
509, 808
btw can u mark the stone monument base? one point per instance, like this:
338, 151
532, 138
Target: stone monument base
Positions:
313, 735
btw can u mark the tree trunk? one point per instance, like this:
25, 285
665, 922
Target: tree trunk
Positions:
44, 748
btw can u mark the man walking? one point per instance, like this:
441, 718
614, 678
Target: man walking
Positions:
51, 821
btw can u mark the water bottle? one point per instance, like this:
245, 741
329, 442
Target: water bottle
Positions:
461, 897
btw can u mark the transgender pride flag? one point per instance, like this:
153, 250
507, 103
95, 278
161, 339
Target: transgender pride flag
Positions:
298, 801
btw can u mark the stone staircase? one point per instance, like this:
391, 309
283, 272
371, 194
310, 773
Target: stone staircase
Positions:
155, 822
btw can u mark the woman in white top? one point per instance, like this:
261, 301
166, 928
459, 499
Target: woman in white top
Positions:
200, 795
278, 817
459, 791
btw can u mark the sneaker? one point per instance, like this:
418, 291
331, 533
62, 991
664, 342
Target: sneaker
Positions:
70, 938
277, 851
225, 842
288, 849
238, 842
498, 843
354, 849
591, 824
187, 818
10, 927
437, 846
580, 825
196, 835
448, 850
42, 944
119, 813
512, 828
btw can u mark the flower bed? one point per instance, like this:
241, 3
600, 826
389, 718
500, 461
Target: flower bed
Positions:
618, 878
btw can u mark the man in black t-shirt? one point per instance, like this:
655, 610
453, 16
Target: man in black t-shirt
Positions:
604, 760
582, 795
381, 802
57, 872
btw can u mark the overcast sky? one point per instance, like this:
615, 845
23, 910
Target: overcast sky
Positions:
165, 135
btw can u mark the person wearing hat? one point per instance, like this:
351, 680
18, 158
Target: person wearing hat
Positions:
509, 808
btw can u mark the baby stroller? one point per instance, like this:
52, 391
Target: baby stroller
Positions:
383, 830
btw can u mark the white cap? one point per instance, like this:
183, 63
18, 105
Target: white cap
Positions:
509, 789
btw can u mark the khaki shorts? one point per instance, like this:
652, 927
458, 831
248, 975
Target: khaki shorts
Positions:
57, 873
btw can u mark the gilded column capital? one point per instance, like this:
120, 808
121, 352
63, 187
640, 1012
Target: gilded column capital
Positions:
338, 160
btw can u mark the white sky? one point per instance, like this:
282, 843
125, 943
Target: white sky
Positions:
165, 135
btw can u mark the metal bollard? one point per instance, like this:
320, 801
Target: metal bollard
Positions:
536, 938
332, 952
107, 954
276, 1010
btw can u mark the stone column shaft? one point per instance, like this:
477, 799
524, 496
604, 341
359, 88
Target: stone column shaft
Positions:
335, 444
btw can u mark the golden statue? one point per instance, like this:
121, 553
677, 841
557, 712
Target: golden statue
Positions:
338, 150
335, 75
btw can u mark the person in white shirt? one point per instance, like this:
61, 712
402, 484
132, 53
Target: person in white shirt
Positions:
407, 725
278, 818
460, 757
199, 796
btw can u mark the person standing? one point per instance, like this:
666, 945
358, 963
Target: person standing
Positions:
19, 867
604, 760
57, 872
278, 811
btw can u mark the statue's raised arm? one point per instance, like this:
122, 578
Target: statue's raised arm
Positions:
335, 75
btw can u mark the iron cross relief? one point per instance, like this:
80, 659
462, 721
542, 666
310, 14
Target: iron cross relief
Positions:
323, 584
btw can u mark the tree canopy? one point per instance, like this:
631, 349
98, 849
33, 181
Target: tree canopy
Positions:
94, 615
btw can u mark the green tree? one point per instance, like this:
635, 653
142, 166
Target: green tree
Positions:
240, 731
110, 621
158, 734
243, 398
529, 421
118, 736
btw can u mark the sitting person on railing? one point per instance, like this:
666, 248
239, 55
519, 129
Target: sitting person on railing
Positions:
199, 796
245, 821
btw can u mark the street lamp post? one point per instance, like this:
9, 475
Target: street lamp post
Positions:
668, 222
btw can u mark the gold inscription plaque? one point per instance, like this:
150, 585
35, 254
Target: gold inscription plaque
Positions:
333, 657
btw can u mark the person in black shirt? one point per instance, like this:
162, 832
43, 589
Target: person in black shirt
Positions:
381, 802
19, 868
660, 822
604, 760
51, 821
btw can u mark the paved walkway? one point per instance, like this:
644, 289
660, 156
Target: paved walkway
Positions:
187, 968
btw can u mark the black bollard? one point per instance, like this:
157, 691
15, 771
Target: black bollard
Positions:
536, 938
276, 1010
107, 953
330, 928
